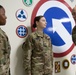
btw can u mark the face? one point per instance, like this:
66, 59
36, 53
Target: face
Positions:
74, 13
2, 16
41, 23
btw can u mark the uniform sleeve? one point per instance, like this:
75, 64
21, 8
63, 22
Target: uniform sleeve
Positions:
1, 47
1, 54
51, 54
27, 50
4, 54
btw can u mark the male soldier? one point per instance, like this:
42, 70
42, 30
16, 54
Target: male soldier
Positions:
74, 29
4, 45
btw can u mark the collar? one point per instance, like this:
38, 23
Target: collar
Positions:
39, 33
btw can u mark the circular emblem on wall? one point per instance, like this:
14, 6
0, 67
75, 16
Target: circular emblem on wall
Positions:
27, 2
21, 15
65, 64
59, 24
73, 59
21, 31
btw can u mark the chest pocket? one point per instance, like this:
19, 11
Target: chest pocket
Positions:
41, 42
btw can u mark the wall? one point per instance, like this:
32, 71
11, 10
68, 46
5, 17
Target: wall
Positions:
11, 7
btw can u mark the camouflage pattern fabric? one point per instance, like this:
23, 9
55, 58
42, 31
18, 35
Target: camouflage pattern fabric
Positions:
74, 35
38, 55
4, 53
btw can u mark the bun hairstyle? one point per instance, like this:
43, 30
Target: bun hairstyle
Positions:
37, 18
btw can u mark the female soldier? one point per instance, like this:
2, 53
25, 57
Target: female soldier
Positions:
38, 55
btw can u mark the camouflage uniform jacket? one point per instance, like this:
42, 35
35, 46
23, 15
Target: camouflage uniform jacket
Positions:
4, 53
38, 55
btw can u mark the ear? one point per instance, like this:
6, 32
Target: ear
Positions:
37, 23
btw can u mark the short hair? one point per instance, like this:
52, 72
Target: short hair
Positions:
37, 18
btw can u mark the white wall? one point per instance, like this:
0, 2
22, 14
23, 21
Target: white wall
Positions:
11, 7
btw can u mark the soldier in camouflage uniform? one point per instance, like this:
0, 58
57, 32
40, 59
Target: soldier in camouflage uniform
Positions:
38, 55
74, 29
4, 46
